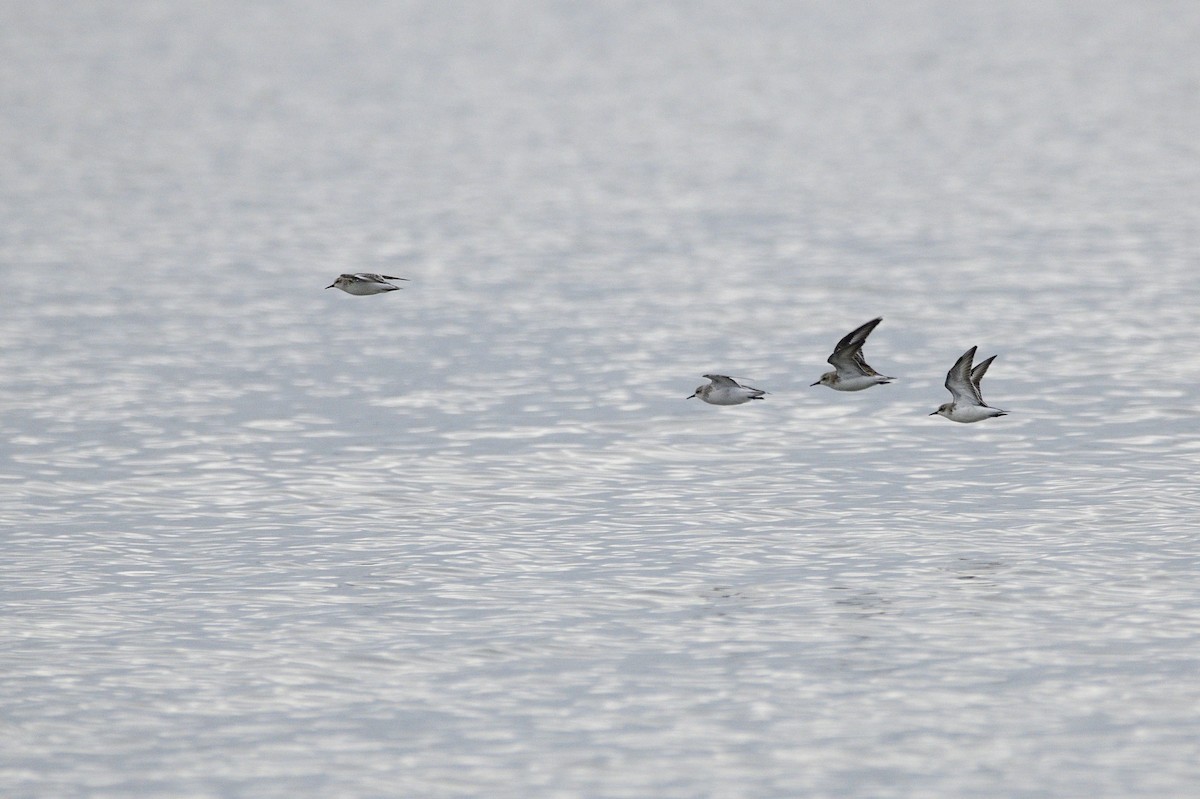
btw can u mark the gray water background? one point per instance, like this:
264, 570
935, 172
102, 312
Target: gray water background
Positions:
468, 539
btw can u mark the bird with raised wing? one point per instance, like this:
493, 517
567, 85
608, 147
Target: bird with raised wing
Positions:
963, 383
850, 371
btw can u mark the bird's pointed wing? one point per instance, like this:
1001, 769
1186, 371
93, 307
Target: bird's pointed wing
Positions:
863, 366
847, 355
958, 380
722, 380
977, 374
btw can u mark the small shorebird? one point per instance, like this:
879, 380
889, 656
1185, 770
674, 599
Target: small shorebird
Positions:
726, 391
851, 372
963, 382
364, 284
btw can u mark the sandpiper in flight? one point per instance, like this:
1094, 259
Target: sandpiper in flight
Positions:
851, 372
726, 391
963, 382
364, 284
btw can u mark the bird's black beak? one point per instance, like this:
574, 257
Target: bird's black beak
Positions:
933, 414
810, 385
331, 285
690, 396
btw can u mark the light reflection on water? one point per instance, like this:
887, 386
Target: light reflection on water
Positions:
265, 539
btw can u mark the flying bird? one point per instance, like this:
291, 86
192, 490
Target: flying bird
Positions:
726, 391
963, 382
851, 372
364, 284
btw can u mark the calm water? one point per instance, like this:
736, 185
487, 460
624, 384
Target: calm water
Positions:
468, 539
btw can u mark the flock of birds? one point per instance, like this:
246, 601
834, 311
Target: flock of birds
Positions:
850, 371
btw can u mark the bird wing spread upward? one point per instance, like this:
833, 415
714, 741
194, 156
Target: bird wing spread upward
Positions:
977, 374
959, 382
847, 356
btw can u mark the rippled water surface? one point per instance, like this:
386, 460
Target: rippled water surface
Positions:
469, 539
